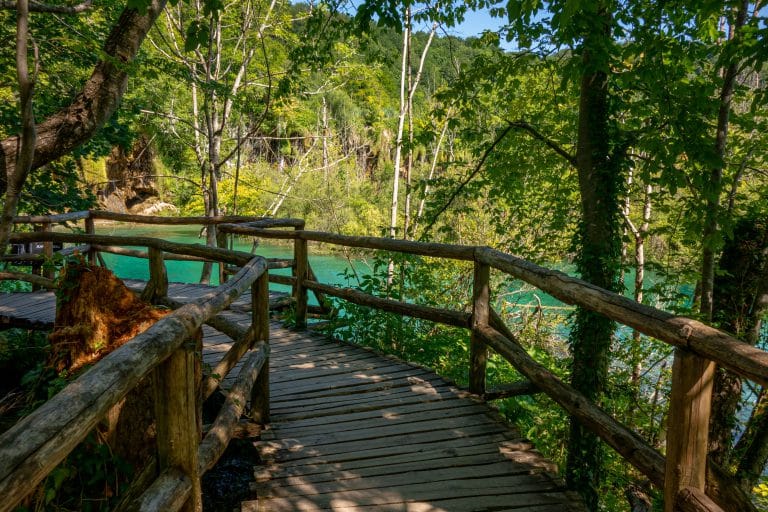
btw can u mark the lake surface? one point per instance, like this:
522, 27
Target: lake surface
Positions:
328, 267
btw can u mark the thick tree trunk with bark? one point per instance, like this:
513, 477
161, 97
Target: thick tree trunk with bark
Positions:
738, 308
599, 255
99, 98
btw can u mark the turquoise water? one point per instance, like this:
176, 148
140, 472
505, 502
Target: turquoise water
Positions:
327, 267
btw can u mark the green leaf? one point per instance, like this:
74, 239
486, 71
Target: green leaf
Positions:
197, 34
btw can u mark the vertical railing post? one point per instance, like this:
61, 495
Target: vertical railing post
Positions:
478, 351
221, 242
157, 286
260, 325
301, 274
48, 270
688, 425
90, 229
176, 404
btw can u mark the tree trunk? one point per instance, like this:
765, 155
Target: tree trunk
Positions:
26, 155
598, 260
86, 329
714, 186
752, 449
738, 308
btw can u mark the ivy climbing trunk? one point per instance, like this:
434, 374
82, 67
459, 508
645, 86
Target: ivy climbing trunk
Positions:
599, 247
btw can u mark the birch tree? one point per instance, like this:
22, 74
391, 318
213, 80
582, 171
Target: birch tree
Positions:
224, 55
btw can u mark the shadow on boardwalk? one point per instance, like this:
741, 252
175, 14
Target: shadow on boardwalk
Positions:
352, 430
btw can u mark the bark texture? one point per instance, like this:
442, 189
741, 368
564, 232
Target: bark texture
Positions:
599, 249
738, 308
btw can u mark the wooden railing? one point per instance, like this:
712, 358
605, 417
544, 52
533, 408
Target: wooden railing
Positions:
170, 351
689, 481
95, 245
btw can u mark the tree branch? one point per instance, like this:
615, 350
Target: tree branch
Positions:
469, 178
95, 104
630, 224
51, 9
554, 146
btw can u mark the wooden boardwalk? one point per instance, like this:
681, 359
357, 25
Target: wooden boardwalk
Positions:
355, 431
352, 430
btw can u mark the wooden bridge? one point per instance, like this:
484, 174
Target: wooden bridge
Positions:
347, 429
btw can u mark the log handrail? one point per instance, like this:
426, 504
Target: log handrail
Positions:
211, 253
688, 335
741, 358
38, 442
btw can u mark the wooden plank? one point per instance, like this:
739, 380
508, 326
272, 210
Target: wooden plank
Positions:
381, 413
528, 495
463, 482
366, 453
502, 503
301, 367
426, 390
339, 380
339, 472
376, 434
404, 378
345, 404
347, 446
345, 424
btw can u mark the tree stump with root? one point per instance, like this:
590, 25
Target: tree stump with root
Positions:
95, 314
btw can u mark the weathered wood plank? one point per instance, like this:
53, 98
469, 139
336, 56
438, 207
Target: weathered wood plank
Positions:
388, 464
438, 492
395, 379
352, 446
178, 431
381, 413
694, 500
461, 481
168, 492
218, 436
688, 425
390, 419
364, 453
